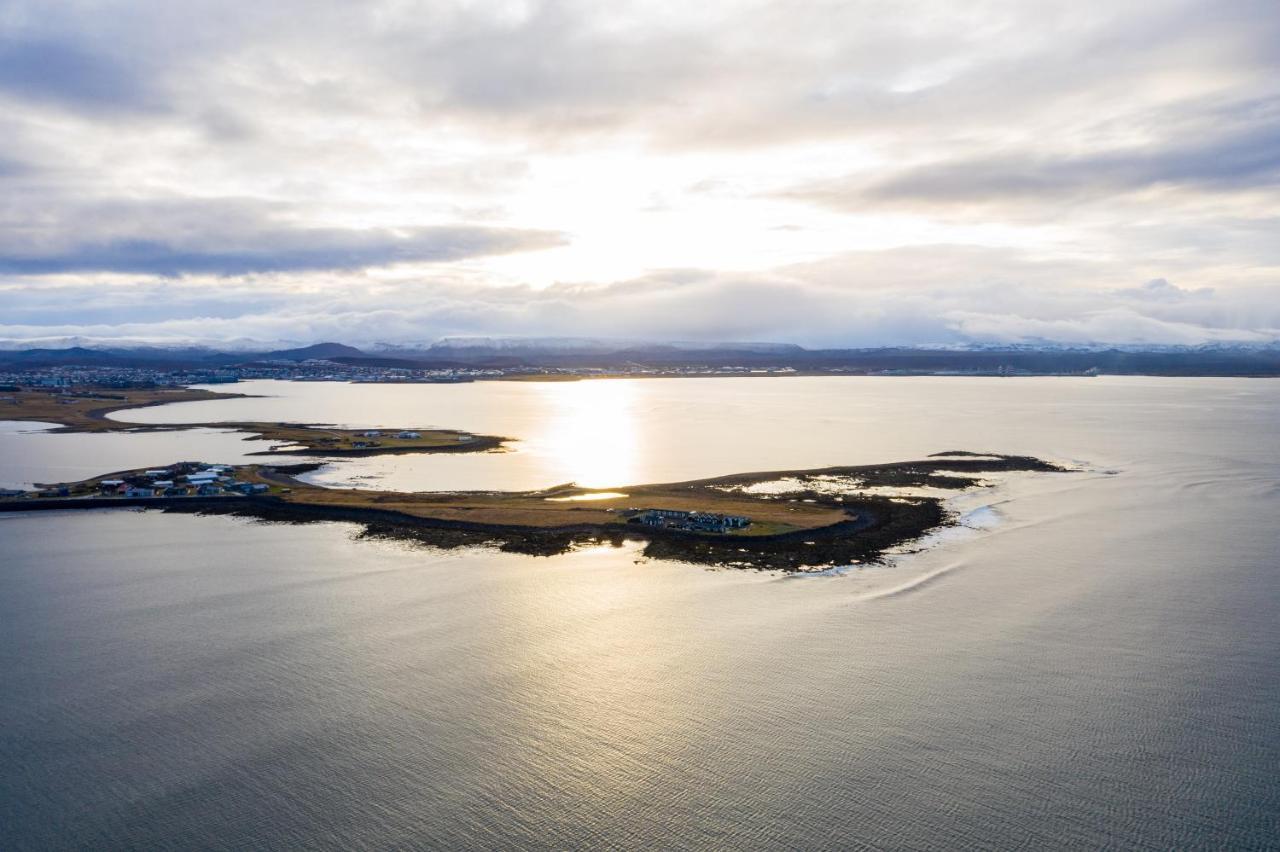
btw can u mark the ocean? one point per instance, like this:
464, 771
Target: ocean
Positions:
1091, 661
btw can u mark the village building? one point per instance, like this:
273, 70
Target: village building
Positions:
675, 519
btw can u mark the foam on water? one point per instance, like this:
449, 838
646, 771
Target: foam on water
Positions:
912, 585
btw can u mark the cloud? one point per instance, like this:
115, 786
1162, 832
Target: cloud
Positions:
1244, 158
1108, 326
1245, 161
230, 237
1004, 170
1160, 290
282, 249
10, 167
68, 73
860, 299
681, 75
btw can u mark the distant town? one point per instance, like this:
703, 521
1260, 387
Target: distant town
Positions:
469, 361
326, 371
160, 375
566, 360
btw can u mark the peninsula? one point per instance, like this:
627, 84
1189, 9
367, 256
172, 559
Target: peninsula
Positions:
86, 410
779, 520
795, 520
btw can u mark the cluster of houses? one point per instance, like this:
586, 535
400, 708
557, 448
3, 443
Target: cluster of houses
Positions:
405, 435
83, 376
186, 479
368, 438
673, 519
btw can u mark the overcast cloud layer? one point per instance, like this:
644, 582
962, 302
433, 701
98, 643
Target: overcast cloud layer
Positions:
832, 174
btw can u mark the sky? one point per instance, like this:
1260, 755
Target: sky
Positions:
840, 174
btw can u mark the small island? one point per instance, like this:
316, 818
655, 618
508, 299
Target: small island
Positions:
799, 520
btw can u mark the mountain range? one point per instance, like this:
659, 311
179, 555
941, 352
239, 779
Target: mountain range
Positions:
1209, 360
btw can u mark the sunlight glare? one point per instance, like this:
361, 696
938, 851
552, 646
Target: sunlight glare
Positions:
591, 433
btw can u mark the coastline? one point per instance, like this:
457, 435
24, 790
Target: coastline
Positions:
79, 412
786, 520
823, 518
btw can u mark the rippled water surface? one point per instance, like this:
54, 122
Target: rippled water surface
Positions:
1090, 662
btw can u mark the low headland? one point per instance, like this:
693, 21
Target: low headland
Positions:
87, 410
798, 520
793, 520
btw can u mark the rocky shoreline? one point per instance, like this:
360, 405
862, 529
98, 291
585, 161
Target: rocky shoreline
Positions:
857, 526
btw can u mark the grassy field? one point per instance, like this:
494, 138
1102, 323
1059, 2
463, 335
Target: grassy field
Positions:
528, 509
534, 509
85, 409
306, 439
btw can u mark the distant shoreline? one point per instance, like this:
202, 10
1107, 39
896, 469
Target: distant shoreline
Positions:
517, 359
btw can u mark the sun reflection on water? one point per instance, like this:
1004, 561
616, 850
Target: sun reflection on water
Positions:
590, 432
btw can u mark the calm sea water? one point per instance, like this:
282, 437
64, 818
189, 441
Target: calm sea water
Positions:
1099, 667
